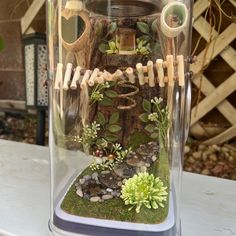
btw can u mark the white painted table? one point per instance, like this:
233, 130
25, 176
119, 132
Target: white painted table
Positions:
208, 204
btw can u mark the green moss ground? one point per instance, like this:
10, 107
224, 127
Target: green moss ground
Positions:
114, 209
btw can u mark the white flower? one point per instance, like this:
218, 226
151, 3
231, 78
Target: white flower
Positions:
153, 117
157, 100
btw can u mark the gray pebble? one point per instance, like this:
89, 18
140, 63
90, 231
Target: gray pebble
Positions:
79, 192
87, 177
82, 181
143, 168
147, 164
109, 190
95, 199
95, 175
154, 158
106, 197
115, 194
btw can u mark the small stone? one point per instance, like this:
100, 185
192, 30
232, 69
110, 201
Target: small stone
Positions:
225, 149
103, 192
107, 197
82, 181
231, 159
108, 180
218, 169
205, 155
197, 155
94, 175
227, 154
95, 199
147, 165
136, 162
105, 172
143, 168
87, 177
186, 149
216, 147
115, 194
154, 158
213, 157
77, 184
189, 169
119, 184
205, 172
94, 190
191, 160
124, 171
109, 190
79, 192
201, 147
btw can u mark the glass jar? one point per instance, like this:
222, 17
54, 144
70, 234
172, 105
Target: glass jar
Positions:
119, 114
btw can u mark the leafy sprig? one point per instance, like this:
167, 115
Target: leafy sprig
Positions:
156, 118
109, 127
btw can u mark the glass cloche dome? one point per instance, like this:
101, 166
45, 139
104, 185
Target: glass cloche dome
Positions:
119, 114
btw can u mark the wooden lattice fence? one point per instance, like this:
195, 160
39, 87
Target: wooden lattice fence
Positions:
214, 97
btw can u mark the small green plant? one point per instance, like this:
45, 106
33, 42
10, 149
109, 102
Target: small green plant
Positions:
109, 128
145, 190
97, 93
119, 154
143, 46
105, 45
113, 47
156, 118
149, 36
88, 136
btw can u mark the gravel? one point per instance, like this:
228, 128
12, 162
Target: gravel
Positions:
214, 160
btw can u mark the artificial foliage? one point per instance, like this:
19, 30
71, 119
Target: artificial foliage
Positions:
144, 189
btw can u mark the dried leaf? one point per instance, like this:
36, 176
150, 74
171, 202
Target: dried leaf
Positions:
114, 118
143, 27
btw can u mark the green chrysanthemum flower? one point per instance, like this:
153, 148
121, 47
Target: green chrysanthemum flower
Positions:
144, 189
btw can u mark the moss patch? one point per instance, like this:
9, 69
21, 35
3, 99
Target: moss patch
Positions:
114, 209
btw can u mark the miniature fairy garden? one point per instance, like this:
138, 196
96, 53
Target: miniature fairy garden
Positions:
122, 123
119, 177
